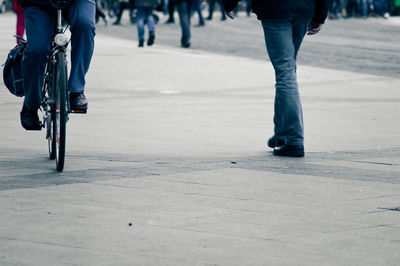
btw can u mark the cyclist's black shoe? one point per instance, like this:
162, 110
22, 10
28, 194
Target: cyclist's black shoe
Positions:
78, 102
30, 119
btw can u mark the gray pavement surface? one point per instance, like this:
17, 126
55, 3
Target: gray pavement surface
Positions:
368, 46
170, 165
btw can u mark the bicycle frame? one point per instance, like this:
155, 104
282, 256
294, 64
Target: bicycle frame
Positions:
55, 100
59, 43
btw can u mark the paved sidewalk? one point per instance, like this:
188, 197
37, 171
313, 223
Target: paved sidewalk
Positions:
170, 167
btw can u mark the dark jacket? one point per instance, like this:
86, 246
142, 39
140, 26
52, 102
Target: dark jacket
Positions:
39, 3
44, 3
146, 3
286, 9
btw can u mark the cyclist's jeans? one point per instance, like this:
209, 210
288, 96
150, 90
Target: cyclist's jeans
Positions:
39, 31
283, 39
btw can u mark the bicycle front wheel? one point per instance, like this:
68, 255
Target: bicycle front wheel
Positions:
61, 113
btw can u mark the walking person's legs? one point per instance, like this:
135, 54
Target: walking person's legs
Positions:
171, 9
283, 39
121, 7
221, 6
197, 8
248, 7
151, 25
211, 5
140, 16
184, 18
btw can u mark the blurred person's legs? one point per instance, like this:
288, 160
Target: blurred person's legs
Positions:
248, 7
283, 39
197, 8
221, 6
151, 25
351, 8
364, 8
122, 7
381, 7
140, 17
171, 9
100, 14
132, 14
184, 8
211, 5
334, 8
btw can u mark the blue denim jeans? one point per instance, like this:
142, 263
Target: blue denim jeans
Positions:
365, 7
184, 9
142, 14
334, 7
380, 7
39, 31
197, 8
283, 39
211, 6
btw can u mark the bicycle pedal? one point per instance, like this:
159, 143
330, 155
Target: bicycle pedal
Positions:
79, 111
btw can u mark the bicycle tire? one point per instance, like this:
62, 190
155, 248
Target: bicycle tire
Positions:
61, 113
51, 141
50, 112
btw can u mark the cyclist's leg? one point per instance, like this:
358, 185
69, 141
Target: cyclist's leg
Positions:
39, 32
81, 17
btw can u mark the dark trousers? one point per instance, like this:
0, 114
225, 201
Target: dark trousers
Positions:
39, 31
184, 9
211, 6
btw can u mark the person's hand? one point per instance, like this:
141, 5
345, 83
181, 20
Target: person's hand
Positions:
314, 28
229, 14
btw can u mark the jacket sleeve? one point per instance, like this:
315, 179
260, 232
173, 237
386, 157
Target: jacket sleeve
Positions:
321, 11
230, 5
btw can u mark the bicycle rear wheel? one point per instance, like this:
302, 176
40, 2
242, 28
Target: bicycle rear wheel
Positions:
51, 141
49, 108
61, 113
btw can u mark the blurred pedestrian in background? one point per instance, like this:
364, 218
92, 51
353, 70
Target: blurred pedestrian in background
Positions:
211, 6
144, 14
124, 4
197, 8
248, 8
171, 10
285, 23
100, 14
184, 9
334, 11
381, 8
351, 8
20, 19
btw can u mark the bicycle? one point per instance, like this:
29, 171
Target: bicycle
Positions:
55, 99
